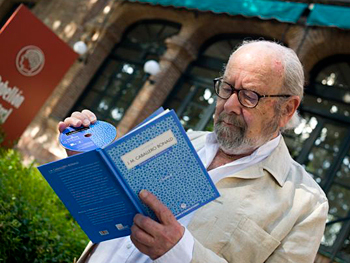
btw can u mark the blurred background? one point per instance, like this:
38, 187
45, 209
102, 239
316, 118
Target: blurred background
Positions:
136, 56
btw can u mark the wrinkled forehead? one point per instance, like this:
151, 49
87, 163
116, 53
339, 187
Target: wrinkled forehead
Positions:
257, 57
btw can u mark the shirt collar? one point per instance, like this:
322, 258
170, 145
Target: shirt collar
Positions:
277, 164
253, 166
261, 153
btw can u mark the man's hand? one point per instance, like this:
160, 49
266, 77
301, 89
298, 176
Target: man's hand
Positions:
77, 119
155, 238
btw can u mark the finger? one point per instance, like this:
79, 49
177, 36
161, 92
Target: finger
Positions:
142, 236
148, 225
92, 117
61, 126
71, 121
82, 117
162, 212
70, 153
141, 247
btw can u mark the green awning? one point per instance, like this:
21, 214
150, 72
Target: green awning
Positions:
265, 9
327, 15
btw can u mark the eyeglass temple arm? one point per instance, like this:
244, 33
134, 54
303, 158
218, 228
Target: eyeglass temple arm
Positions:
266, 96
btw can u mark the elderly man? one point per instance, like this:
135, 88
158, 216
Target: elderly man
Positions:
270, 209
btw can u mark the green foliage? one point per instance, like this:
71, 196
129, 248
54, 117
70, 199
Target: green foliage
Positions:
34, 224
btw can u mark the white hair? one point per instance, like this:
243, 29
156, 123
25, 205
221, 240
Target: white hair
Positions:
293, 72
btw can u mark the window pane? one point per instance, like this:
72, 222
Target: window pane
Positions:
338, 198
343, 175
339, 207
186, 88
331, 233
101, 84
191, 117
111, 67
325, 149
116, 113
344, 252
121, 76
193, 96
182, 93
174, 104
203, 96
128, 53
336, 74
104, 105
327, 106
329, 97
296, 138
89, 100
114, 87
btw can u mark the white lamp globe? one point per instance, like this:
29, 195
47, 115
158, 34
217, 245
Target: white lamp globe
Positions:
80, 47
151, 67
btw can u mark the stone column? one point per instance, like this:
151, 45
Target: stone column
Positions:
180, 53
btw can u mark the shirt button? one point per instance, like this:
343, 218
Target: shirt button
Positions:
128, 246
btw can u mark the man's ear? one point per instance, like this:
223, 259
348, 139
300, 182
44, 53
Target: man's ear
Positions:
288, 109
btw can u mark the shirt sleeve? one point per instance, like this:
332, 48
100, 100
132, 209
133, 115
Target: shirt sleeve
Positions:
181, 252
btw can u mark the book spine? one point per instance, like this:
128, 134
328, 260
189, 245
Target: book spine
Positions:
111, 167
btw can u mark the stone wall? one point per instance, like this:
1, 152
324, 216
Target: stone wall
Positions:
81, 20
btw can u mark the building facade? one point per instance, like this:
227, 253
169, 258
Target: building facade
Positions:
192, 47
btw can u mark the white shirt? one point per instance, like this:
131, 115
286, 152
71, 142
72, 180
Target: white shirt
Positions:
122, 249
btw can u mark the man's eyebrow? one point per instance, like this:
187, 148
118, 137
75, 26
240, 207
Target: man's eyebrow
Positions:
233, 85
225, 80
241, 87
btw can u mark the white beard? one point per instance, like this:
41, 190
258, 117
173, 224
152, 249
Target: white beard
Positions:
233, 139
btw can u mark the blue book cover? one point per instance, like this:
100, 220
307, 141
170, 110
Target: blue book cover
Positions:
100, 188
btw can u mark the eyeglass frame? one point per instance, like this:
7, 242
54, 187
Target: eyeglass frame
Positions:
233, 90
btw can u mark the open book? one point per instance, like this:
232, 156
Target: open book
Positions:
100, 188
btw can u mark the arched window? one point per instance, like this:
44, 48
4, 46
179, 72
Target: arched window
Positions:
193, 96
121, 76
322, 144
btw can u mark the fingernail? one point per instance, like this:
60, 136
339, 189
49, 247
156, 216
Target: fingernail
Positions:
92, 119
86, 122
143, 193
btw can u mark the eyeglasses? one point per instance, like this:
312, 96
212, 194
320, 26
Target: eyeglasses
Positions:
247, 98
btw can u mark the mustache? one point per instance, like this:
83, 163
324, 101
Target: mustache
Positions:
232, 119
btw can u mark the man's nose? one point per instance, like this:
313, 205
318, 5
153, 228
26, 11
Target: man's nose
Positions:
232, 104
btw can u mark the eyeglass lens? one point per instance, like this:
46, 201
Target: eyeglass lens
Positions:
247, 98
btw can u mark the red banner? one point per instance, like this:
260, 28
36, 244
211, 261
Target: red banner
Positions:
33, 60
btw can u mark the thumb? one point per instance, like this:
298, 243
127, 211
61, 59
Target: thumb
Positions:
61, 126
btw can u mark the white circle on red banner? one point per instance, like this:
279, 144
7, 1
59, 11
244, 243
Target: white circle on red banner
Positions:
30, 60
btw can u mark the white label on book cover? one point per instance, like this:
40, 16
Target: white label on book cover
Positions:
121, 227
149, 149
104, 232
